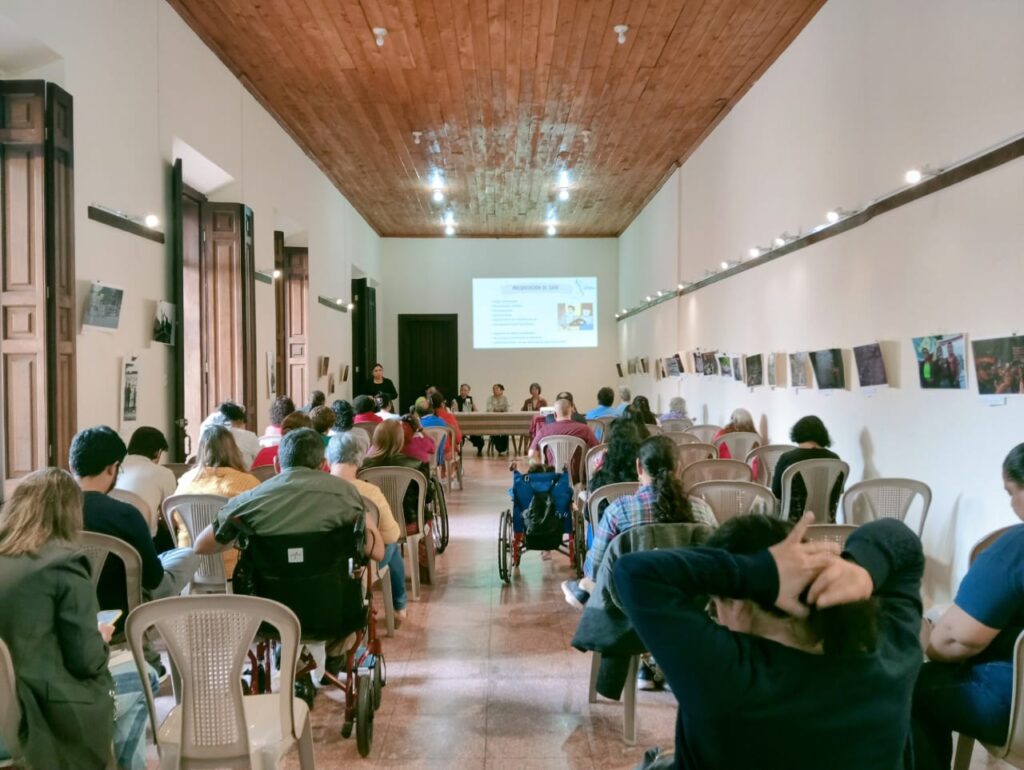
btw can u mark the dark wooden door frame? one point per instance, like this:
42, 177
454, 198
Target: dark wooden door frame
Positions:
409, 382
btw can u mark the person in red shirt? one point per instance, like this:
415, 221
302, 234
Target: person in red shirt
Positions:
442, 411
563, 425
268, 454
366, 409
417, 445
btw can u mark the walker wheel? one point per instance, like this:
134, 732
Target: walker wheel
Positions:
504, 547
364, 714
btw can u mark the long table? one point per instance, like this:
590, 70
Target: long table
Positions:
513, 424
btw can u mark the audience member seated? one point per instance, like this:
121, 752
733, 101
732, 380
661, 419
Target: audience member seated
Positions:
268, 455
301, 499
464, 403
366, 410
619, 462
418, 445
642, 407
346, 453
96, 456
604, 408
740, 421
344, 417
625, 397
232, 416
437, 403
219, 471
534, 402
563, 425
386, 449
676, 409
379, 384
634, 416
967, 685
316, 398
281, 407
660, 498
57, 646
142, 474
440, 417
428, 419
812, 440
322, 419
576, 416
498, 402
810, 659
386, 408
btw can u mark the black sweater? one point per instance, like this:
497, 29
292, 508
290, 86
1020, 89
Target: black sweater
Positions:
747, 702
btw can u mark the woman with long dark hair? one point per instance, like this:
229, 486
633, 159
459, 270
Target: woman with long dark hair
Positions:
642, 407
620, 460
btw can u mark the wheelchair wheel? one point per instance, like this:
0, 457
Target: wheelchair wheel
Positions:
504, 547
440, 522
364, 714
579, 536
378, 681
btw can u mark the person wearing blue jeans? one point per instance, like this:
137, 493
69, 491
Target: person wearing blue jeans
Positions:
345, 453
967, 685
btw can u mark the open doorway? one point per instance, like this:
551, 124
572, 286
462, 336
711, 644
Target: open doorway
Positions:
428, 354
291, 292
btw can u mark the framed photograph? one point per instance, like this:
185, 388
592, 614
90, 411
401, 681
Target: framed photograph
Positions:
798, 370
870, 365
344, 373
709, 363
737, 368
698, 363
103, 307
618, 368
999, 366
271, 374
725, 366
941, 361
828, 369
129, 392
645, 365
755, 373
163, 323
330, 383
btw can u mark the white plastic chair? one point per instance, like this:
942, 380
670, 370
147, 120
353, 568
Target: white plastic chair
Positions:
821, 479
767, 457
688, 454
681, 438
714, 470
886, 498
379, 574
677, 425
393, 481
734, 498
563, 449
441, 435
456, 461
366, 427
132, 499
594, 455
263, 472
654, 430
198, 512
739, 444
98, 548
178, 469
833, 534
10, 709
704, 433
208, 638
599, 426
608, 493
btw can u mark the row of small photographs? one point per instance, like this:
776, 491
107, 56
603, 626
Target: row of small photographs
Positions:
941, 364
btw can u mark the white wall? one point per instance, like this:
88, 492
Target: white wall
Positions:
435, 275
140, 79
867, 90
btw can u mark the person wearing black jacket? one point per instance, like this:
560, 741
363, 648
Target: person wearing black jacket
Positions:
812, 660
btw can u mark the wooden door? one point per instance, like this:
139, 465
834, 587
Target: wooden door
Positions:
296, 321
23, 360
428, 354
364, 334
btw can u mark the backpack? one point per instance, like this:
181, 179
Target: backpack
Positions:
544, 526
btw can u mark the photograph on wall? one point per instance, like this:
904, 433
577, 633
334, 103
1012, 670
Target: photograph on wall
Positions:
325, 365
941, 361
271, 374
631, 366
709, 363
828, 368
618, 368
657, 368
163, 323
870, 365
999, 366
725, 366
645, 365
773, 368
737, 368
755, 373
344, 373
798, 370
698, 362
673, 366
330, 383
103, 307
129, 391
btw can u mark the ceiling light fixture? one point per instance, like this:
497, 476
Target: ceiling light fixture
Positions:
449, 218
913, 176
350, 306
563, 185
624, 311
834, 215
552, 230
754, 252
648, 298
449, 229
679, 287
620, 32
276, 274
416, 136
339, 302
563, 194
379, 33
438, 195
725, 265
660, 293
152, 220
586, 135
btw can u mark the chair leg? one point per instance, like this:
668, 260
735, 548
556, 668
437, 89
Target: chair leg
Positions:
629, 711
412, 545
389, 603
964, 750
306, 760
431, 553
595, 667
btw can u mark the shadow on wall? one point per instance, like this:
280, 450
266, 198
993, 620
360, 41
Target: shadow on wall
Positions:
867, 448
762, 429
938, 565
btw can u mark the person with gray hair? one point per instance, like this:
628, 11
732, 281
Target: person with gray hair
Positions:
345, 453
625, 398
676, 409
563, 425
298, 500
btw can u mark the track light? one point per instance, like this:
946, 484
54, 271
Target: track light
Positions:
679, 287
833, 216
449, 229
913, 176
754, 252
724, 265
339, 302
620, 32
624, 311
552, 230
152, 220
276, 274
648, 298
660, 293
379, 33
350, 306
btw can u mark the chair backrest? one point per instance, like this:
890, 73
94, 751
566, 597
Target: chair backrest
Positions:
822, 478
688, 454
372, 511
767, 457
563, 449
739, 443
1013, 749
599, 425
98, 547
704, 433
681, 438
263, 472
609, 493
198, 512
208, 638
654, 430
367, 427
438, 436
735, 498
676, 425
139, 504
449, 431
594, 455
714, 470
10, 708
885, 498
394, 481
833, 534
178, 469
986, 542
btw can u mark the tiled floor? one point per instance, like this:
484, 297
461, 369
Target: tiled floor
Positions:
482, 675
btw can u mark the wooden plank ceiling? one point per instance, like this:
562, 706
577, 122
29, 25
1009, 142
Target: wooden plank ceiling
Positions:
506, 93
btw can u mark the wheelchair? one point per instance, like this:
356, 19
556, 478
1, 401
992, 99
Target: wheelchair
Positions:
438, 509
323, 578
513, 537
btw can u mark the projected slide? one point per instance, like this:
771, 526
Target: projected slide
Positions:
535, 312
